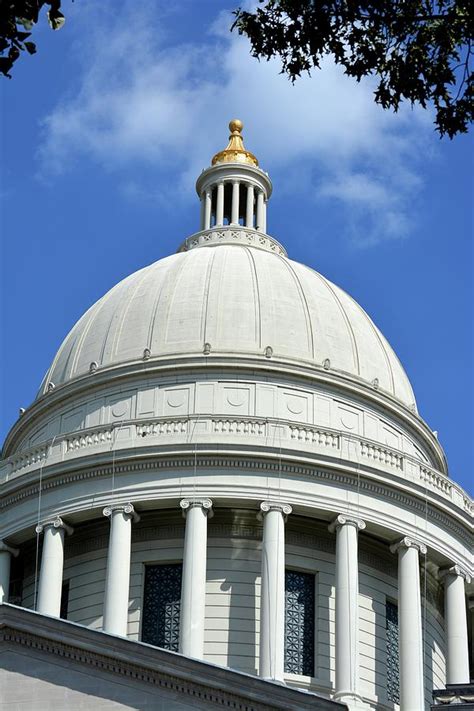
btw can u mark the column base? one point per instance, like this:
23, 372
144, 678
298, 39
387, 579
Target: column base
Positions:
354, 701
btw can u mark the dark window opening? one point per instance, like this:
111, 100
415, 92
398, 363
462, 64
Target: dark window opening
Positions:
161, 605
299, 623
64, 600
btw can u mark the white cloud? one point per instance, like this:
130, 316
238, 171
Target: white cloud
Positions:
144, 99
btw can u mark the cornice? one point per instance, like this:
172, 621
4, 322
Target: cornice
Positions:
229, 364
212, 685
351, 479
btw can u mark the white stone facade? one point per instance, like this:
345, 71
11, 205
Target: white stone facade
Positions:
245, 391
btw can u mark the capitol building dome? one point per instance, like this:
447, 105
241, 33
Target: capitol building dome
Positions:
223, 494
244, 299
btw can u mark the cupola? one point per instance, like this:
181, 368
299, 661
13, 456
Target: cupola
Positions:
234, 190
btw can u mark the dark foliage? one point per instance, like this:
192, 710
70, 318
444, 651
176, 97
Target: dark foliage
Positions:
418, 50
17, 18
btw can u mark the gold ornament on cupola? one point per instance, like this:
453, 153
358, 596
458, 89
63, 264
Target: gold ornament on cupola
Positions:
235, 151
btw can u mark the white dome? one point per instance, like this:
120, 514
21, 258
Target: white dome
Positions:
239, 300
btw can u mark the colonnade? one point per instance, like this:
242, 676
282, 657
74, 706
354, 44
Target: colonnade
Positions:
253, 211
274, 514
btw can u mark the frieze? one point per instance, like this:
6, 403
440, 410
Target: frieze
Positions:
242, 235
347, 480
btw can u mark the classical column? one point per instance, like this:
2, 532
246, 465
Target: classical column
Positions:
193, 588
220, 205
249, 208
272, 596
117, 581
235, 202
457, 657
410, 650
347, 606
207, 209
6, 553
260, 210
203, 211
52, 564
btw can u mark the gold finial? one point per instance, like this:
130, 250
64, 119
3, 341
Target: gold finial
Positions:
235, 151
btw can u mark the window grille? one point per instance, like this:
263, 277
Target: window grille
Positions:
161, 606
299, 623
393, 672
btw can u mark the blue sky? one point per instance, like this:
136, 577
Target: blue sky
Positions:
106, 128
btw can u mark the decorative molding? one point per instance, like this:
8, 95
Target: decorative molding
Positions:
5, 548
407, 542
346, 520
205, 504
120, 668
455, 570
246, 236
408, 468
56, 522
127, 509
348, 480
267, 506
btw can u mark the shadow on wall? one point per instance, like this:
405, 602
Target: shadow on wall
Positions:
234, 562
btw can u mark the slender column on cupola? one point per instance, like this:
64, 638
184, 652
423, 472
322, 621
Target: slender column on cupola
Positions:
52, 564
6, 553
220, 205
117, 582
347, 606
412, 695
207, 209
193, 588
260, 211
457, 657
249, 214
203, 211
235, 202
272, 596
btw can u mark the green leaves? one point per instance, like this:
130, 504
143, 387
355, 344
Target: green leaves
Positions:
23, 13
420, 51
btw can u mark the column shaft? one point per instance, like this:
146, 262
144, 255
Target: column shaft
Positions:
260, 210
207, 209
117, 582
272, 599
347, 607
6, 553
457, 662
193, 588
52, 563
235, 203
203, 211
412, 696
220, 205
249, 222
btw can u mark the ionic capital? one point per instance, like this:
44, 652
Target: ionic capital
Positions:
407, 542
455, 570
346, 520
5, 548
56, 522
126, 509
267, 506
205, 504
